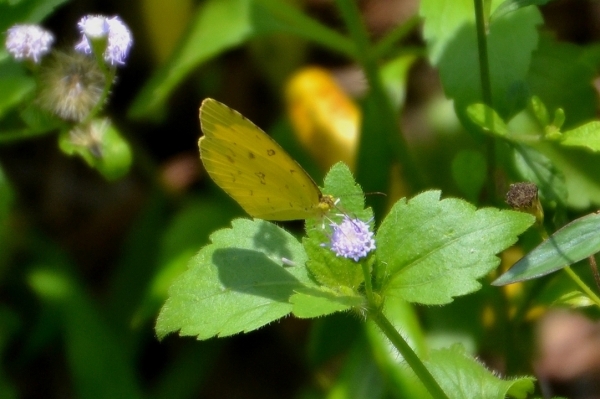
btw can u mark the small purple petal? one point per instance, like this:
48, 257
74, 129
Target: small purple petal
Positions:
28, 42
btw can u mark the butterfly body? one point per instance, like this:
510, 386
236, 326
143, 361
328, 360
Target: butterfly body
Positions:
254, 170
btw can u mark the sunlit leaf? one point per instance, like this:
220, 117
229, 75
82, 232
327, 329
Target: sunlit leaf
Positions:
486, 118
435, 250
572, 243
461, 376
587, 135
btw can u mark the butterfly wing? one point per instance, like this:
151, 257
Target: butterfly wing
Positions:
253, 169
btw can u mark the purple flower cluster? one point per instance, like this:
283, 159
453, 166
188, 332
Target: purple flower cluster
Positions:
352, 239
28, 42
113, 30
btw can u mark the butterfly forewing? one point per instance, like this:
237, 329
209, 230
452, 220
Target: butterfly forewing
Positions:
253, 169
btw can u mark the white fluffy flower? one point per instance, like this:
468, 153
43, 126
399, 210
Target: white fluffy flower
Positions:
28, 42
117, 34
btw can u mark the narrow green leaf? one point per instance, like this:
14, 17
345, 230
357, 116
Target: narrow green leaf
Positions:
461, 376
509, 6
539, 110
240, 282
219, 25
276, 16
394, 76
435, 250
24, 11
572, 243
488, 119
574, 299
587, 135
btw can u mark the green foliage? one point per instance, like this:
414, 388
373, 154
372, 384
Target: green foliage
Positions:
572, 243
452, 42
475, 380
101, 146
435, 250
521, 107
469, 170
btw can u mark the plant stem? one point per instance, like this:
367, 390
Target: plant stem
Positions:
109, 76
486, 92
407, 353
366, 268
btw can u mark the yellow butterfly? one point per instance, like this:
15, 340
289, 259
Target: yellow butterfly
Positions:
254, 170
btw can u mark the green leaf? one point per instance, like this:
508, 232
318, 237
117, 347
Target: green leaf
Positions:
328, 269
572, 243
322, 301
561, 74
435, 250
461, 376
587, 135
340, 183
486, 118
340, 274
102, 147
276, 16
535, 167
239, 283
539, 110
579, 169
452, 46
509, 6
574, 299
26, 11
219, 25
394, 77
469, 170
180, 239
15, 85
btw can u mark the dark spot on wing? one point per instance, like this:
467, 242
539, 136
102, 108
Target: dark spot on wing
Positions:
251, 155
270, 152
230, 159
261, 177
